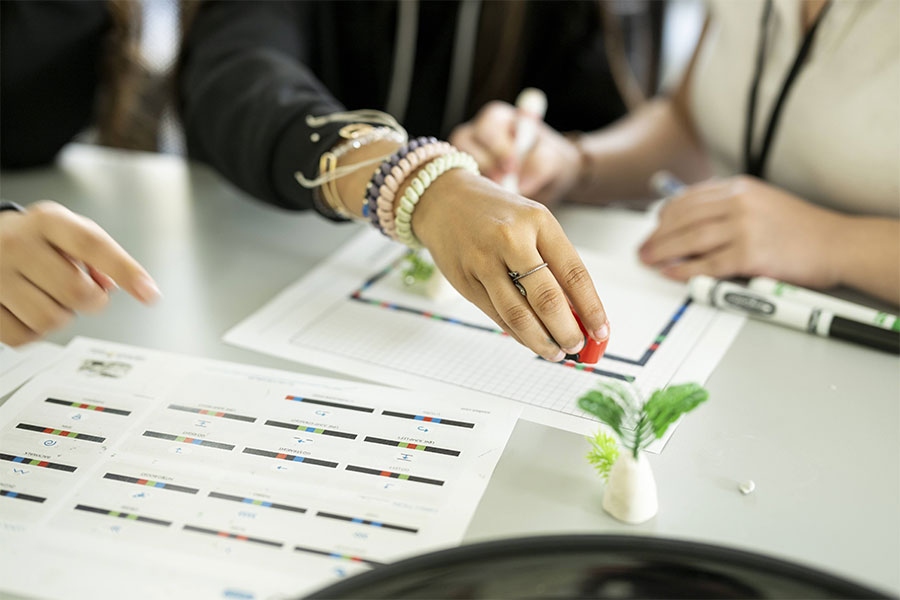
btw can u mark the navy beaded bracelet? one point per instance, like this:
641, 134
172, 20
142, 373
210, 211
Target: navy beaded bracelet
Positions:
370, 204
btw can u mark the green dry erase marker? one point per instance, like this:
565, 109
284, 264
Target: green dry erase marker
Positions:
843, 308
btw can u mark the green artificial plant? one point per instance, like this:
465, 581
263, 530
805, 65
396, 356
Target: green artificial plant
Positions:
604, 452
416, 269
638, 423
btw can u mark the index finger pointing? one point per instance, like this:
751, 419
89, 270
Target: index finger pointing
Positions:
570, 272
85, 241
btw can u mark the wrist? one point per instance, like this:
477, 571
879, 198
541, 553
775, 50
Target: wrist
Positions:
837, 247
574, 162
352, 187
427, 219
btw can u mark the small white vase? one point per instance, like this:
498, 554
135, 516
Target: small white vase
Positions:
630, 494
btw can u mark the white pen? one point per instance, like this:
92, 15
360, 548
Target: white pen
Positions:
843, 308
737, 298
531, 105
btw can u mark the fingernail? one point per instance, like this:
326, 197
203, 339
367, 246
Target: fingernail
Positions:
576, 348
602, 333
146, 290
558, 356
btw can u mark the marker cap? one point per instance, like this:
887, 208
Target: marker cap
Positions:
533, 102
700, 287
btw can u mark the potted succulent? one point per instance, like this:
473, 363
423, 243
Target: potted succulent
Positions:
630, 494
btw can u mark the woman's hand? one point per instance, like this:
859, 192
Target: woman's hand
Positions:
548, 171
477, 232
742, 226
54, 263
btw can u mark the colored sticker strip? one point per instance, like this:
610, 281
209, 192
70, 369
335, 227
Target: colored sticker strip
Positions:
150, 483
251, 501
436, 420
403, 476
34, 462
338, 555
233, 536
319, 430
291, 457
213, 413
331, 404
589, 369
423, 313
103, 409
396, 444
366, 522
122, 515
660, 338
61, 432
188, 440
21, 496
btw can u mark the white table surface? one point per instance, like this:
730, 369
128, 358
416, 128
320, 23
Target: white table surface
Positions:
814, 422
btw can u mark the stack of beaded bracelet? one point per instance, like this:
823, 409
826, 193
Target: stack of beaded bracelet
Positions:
417, 187
387, 180
385, 169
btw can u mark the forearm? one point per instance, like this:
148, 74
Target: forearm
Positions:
617, 162
866, 255
245, 95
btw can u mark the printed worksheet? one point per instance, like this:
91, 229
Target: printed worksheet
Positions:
356, 314
18, 365
131, 473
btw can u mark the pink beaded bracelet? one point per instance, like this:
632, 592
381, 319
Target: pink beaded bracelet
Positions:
397, 176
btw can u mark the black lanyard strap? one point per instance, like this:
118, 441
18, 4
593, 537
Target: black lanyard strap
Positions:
755, 165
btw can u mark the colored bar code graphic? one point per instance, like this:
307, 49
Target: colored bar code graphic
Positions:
338, 555
34, 462
213, 413
62, 432
150, 483
319, 430
233, 536
403, 476
436, 420
188, 440
291, 457
122, 515
255, 502
358, 521
81, 405
407, 446
331, 404
21, 496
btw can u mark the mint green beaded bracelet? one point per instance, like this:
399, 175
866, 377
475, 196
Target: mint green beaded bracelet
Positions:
417, 187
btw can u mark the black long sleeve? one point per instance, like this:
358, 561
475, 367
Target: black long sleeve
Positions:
245, 94
252, 71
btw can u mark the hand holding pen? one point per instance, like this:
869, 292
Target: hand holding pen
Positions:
512, 143
741, 226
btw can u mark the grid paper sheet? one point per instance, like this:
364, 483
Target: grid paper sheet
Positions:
354, 315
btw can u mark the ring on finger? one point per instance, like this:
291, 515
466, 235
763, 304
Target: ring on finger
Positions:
516, 276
